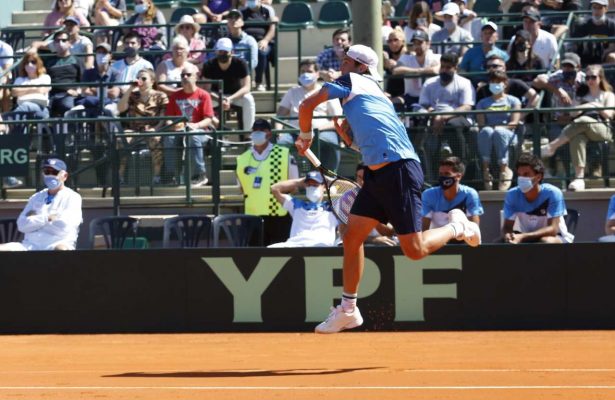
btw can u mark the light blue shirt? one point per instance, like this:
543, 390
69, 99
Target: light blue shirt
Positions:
611, 213
376, 129
436, 206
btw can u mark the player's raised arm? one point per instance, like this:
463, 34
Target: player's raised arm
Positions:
306, 110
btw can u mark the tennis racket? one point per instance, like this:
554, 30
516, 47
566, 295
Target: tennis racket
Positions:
340, 191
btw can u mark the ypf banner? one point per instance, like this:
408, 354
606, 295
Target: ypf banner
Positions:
14, 155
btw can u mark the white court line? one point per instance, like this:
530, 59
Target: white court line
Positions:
304, 388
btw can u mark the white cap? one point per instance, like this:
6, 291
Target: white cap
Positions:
224, 44
367, 56
450, 9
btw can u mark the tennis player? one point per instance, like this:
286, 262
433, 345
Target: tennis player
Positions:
393, 180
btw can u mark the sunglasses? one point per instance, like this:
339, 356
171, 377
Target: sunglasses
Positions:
32, 62
185, 75
60, 40
491, 66
591, 77
143, 78
186, 27
393, 40
50, 171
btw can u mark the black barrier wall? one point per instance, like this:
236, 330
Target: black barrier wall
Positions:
492, 287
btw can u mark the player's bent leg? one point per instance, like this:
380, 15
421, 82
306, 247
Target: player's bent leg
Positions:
418, 245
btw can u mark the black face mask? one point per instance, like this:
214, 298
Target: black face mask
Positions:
569, 75
223, 58
521, 47
446, 77
130, 52
446, 181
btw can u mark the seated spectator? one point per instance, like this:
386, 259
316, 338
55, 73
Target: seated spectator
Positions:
556, 24
244, 45
151, 38
6, 62
194, 104
394, 51
101, 73
598, 26
522, 57
313, 221
109, 12
449, 92
516, 87
451, 32
589, 125
289, 106
420, 19
62, 68
474, 59
31, 71
467, 18
539, 207
51, 218
62, 10
84, 6
497, 129
544, 44
80, 46
215, 10
450, 194
609, 226
143, 101
330, 60
127, 68
169, 70
264, 35
188, 29
234, 72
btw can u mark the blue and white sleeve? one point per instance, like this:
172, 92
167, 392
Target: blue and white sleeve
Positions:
475, 207
557, 207
340, 88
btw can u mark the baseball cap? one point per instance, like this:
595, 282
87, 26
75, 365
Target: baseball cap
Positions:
224, 44
601, 2
420, 35
366, 56
532, 14
261, 124
450, 9
572, 59
73, 19
235, 13
489, 24
314, 176
55, 163
105, 46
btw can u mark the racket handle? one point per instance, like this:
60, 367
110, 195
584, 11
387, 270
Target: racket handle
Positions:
312, 157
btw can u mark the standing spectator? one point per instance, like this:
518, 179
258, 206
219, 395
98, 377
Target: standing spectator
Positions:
6, 62
394, 51
263, 34
598, 26
170, 70
151, 37
143, 101
539, 207
126, 69
62, 10
62, 68
234, 72
450, 194
609, 225
420, 19
244, 45
289, 106
194, 104
522, 57
544, 44
330, 60
258, 169
51, 219
32, 99
474, 59
452, 32
188, 29
101, 73
313, 221
589, 125
497, 129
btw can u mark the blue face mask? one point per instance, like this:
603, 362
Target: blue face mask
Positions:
51, 181
252, 3
307, 79
525, 183
258, 138
496, 88
141, 8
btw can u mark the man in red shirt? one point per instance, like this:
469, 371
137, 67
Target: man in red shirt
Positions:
195, 105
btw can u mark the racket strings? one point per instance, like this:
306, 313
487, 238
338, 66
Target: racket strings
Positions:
343, 194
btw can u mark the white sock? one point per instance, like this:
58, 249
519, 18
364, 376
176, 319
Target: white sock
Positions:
349, 301
457, 228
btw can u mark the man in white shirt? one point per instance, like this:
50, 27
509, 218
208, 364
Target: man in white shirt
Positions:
51, 219
314, 223
544, 44
127, 69
289, 107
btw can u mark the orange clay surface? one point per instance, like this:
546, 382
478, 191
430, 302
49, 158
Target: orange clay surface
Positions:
352, 365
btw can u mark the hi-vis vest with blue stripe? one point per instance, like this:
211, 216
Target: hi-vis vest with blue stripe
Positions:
273, 169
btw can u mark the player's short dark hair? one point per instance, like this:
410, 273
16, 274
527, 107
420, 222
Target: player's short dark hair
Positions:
309, 61
340, 31
455, 163
532, 161
450, 58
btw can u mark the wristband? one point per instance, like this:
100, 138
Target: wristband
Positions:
306, 135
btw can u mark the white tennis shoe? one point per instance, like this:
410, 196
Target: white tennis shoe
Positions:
338, 320
471, 231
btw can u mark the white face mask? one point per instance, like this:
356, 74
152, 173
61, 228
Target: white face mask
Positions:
30, 68
421, 21
141, 8
525, 183
313, 193
258, 138
449, 24
102, 59
307, 79
599, 20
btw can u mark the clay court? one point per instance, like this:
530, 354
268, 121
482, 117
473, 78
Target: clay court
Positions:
357, 365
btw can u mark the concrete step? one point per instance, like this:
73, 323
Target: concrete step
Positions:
30, 17
33, 5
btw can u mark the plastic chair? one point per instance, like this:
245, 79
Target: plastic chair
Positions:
241, 230
180, 12
8, 230
334, 13
115, 230
297, 15
189, 229
572, 219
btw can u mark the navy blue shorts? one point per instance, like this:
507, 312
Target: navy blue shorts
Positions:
393, 194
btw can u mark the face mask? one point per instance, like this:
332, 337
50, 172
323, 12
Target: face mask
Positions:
51, 181
446, 181
599, 20
446, 77
569, 75
525, 183
307, 79
30, 68
141, 8
449, 25
258, 138
252, 3
130, 52
223, 58
521, 47
313, 193
496, 88
421, 21
102, 59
